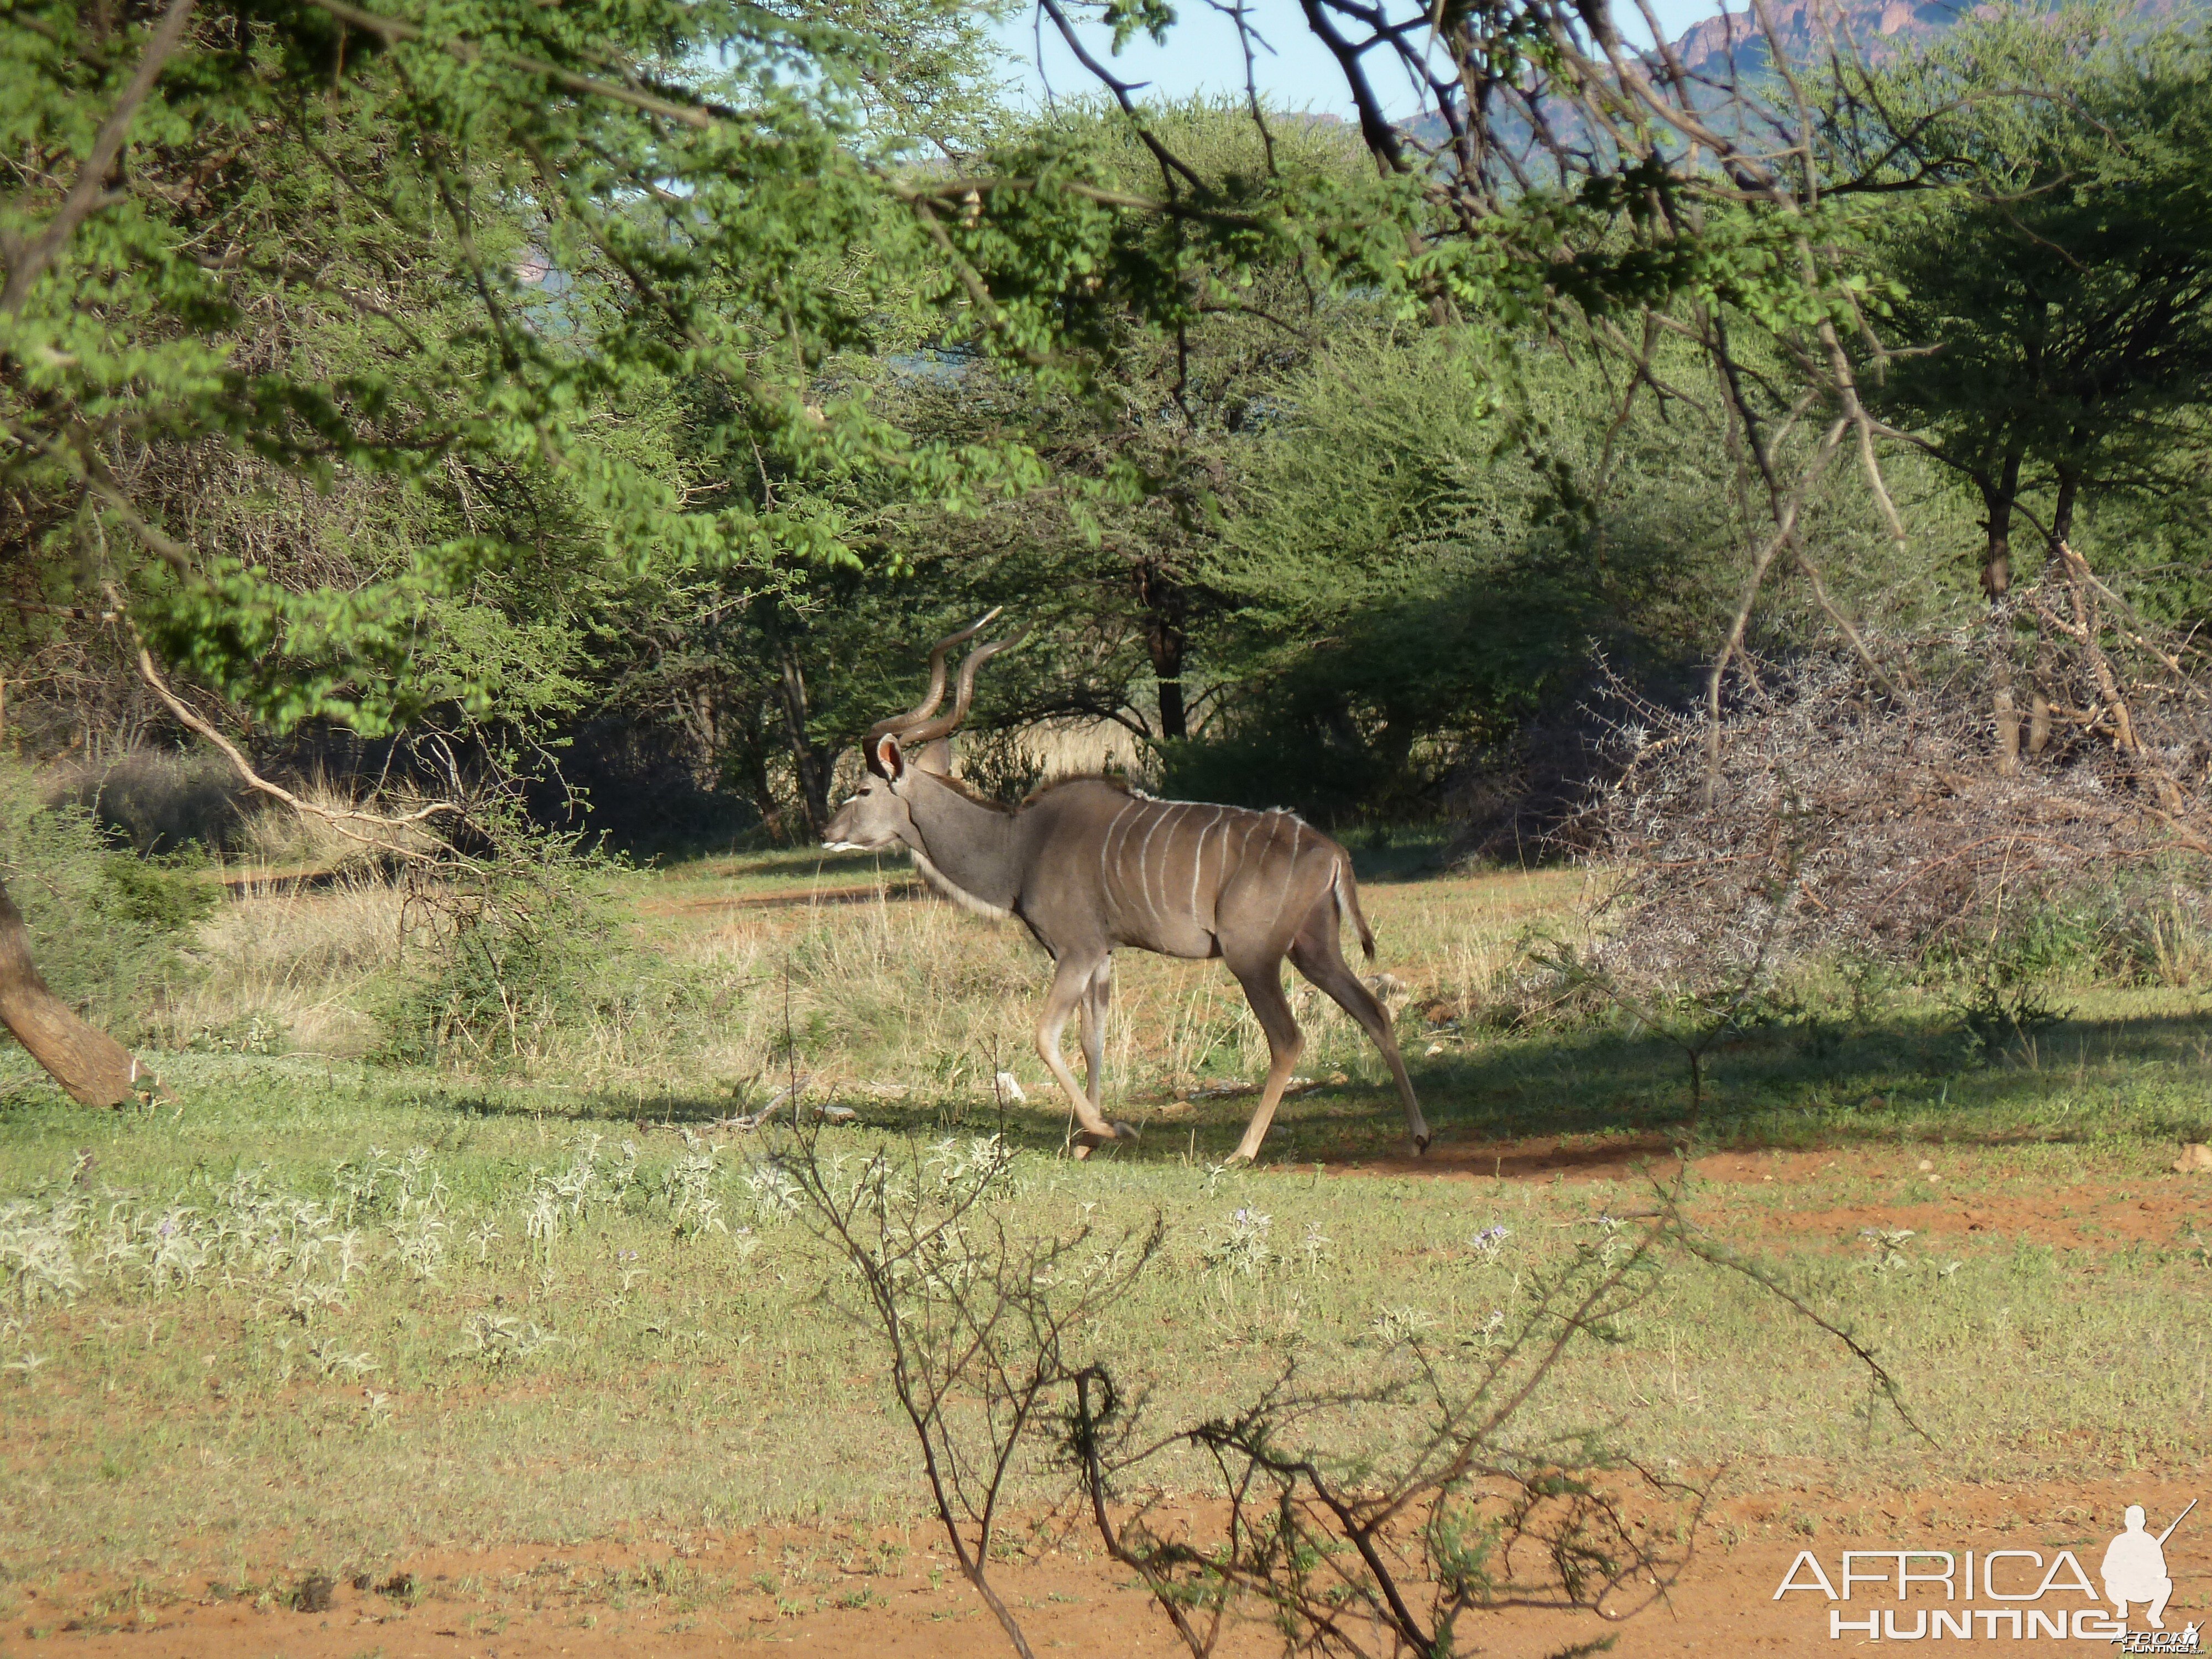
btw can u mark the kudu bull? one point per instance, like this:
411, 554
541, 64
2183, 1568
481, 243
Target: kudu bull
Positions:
1089, 866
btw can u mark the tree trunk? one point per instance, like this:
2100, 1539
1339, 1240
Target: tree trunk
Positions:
1996, 581
2062, 532
1166, 603
2061, 511
1174, 722
807, 760
91, 1065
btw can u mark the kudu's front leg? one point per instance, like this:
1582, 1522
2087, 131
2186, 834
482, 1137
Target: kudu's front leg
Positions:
1263, 990
1071, 987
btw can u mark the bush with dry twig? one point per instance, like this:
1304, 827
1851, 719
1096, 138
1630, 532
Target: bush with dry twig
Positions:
1857, 805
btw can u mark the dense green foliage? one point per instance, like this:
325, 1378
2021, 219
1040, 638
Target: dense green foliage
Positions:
650, 387
2053, 282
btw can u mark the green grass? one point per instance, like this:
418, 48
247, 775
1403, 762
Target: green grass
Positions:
673, 1357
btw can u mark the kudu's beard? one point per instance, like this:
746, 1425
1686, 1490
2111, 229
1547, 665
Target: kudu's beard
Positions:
835, 843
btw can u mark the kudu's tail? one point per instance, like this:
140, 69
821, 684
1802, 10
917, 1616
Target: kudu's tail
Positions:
1348, 906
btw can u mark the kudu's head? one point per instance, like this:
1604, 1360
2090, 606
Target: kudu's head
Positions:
901, 748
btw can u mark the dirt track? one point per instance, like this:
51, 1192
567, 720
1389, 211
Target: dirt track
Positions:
894, 1592
519, 1604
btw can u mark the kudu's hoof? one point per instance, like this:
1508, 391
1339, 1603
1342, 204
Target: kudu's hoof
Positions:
1422, 1143
1084, 1141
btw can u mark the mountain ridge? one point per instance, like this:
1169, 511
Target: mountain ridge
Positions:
1875, 30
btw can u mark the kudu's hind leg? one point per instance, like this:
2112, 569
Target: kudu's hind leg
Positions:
1097, 996
1317, 954
1263, 990
1071, 987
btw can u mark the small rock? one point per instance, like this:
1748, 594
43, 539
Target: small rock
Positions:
1925, 1166
1433, 1050
315, 1592
1012, 1088
2196, 1159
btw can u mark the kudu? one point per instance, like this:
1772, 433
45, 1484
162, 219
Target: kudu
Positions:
1088, 867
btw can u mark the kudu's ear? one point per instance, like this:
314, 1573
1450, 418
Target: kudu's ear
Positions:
887, 759
935, 757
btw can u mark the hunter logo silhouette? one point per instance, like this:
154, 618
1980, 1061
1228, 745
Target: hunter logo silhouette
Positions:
2134, 1567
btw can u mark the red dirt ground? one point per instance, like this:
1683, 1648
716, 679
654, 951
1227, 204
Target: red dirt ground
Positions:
535, 1603
1725, 1603
2151, 1210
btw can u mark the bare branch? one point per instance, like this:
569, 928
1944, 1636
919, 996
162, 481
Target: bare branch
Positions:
338, 820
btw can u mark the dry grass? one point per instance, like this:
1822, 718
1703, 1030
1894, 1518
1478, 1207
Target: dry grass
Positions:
274, 839
886, 985
1066, 749
299, 960
536, 1333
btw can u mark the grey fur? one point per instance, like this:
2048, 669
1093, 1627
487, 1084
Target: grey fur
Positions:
1090, 867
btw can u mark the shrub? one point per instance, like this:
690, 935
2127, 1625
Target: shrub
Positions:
1001, 765
106, 925
160, 801
1844, 817
507, 945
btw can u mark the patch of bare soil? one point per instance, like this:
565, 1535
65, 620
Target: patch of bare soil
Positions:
2094, 1214
1575, 1157
719, 1592
1760, 1191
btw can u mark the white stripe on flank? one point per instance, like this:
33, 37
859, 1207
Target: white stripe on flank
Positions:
1197, 862
1289, 873
1106, 842
1144, 851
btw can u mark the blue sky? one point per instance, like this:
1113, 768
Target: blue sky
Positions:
1202, 54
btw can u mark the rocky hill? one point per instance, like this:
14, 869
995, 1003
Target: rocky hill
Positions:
1871, 29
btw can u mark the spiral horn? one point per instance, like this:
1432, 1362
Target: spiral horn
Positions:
935, 695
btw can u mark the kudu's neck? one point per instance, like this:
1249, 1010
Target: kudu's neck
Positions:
971, 847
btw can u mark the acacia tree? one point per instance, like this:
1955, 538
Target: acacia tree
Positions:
536, 219
528, 222
1136, 422
2055, 291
